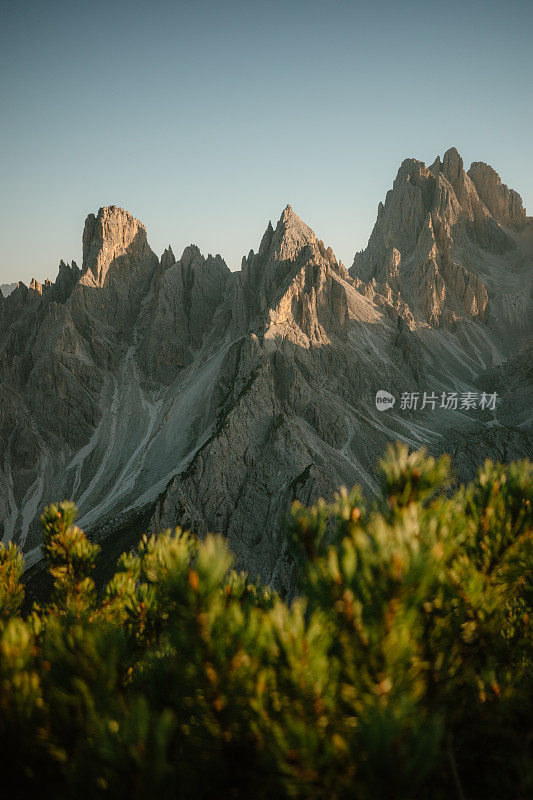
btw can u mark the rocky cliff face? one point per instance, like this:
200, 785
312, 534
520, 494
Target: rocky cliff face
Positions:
503, 203
436, 236
175, 391
178, 312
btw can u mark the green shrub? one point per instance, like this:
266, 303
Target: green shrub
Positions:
403, 669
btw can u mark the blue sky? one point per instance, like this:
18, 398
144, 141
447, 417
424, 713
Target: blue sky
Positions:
204, 119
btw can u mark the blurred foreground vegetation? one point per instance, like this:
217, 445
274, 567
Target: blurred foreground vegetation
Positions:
404, 669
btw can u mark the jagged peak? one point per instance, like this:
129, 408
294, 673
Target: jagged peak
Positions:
452, 156
282, 243
57, 290
67, 269
287, 213
191, 256
432, 216
39, 287
504, 204
409, 168
67, 277
453, 168
113, 226
116, 212
484, 167
167, 258
444, 185
266, 241
109, 236
436, 167
289, 219
291, 236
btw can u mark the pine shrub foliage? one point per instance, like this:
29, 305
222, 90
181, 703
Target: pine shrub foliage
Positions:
402, 670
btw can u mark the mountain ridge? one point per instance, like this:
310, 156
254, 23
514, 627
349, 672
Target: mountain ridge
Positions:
212, 398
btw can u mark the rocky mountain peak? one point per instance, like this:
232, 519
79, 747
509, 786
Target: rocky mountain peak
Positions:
36, 286
167, 259
266, 241
180, 313
191, 257
452, 165
287, 213
292, 284
439, 222
181, 393
410, 169
118, 267
291, 236
67, 277
112, 233
278, 251
504, 204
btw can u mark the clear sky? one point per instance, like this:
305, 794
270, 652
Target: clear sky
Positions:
204, 119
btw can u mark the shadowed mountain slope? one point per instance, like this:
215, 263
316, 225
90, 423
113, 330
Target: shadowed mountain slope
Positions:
179, 392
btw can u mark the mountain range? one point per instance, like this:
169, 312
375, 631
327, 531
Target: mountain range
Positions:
162, 391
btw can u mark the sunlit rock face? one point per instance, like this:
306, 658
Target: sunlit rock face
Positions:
504, 204
439, 242
177, 392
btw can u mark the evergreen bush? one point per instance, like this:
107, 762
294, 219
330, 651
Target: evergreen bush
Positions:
402, 670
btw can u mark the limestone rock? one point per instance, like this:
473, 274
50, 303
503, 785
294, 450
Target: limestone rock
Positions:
438, 228
180, 312
167, 259
504, 204
177, 392
117, 271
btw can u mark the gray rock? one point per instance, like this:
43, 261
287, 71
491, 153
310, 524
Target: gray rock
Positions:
6, 288
192, 395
